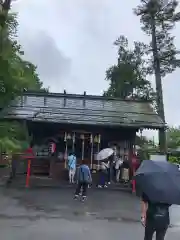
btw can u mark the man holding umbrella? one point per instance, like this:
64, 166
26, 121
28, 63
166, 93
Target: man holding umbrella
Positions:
105, 154
158, 182
155, 218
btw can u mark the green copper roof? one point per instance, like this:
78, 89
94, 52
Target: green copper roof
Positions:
84, 109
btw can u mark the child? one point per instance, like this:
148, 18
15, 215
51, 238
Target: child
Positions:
84, 179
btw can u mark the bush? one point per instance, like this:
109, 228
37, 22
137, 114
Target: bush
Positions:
174, 159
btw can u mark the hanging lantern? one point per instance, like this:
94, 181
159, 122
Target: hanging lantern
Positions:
82, 136
91, 138
69, 136
74, 137
73, 143
65, 137
99, 138
96, 139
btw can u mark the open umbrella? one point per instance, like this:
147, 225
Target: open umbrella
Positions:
160, 181
104, 154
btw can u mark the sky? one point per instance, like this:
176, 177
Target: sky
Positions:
71, 42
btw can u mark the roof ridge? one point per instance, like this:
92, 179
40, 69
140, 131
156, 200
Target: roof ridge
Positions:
86, 96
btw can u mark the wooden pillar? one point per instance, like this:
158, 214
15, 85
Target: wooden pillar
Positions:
132, 158
83, 141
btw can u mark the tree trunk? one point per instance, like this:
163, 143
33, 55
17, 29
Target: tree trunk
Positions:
4, 8
159, 93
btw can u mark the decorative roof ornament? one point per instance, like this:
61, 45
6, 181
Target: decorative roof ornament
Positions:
82, 136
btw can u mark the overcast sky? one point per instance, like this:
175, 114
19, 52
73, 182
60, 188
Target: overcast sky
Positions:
71, 42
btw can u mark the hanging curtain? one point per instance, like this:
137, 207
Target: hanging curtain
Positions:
99, 142
73, 140
82, 138
65, 154
92, 145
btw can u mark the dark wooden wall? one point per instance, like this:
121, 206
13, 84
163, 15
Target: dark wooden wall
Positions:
54, 167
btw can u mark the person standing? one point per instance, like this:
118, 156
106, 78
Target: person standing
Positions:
52, 149
118, 163
110, 170
71, 167
83, 180
155, 218
104, 171
125, 169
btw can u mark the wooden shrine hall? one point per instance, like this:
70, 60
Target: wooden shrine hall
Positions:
83, 124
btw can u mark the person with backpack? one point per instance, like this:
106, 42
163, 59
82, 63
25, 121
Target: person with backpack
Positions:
83, 180
71, 167
155, 218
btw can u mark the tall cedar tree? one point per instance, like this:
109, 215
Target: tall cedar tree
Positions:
165, 17
158, 18
128, 78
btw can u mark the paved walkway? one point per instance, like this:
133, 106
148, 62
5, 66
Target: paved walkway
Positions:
53, 214
46, 182
100, 203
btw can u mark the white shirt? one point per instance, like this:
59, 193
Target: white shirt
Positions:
118, 163
104, 166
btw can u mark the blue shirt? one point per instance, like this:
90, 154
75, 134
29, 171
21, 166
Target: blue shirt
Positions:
84, 174
72, 162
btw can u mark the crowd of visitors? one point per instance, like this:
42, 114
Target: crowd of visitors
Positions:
112, 170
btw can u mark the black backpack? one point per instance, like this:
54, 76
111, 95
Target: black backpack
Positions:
161, 215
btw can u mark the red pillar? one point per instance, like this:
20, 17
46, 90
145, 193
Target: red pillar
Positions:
28, 173
29, 155
133, 185
134, 163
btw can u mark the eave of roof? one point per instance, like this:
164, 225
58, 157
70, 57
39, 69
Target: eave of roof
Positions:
84, 109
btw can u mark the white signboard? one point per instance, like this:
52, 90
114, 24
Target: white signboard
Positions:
158, 157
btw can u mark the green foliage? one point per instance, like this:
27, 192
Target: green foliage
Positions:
16, 74
173, 137
146, 147
163, 14
141, 140
128, 77
13, 137
174, 159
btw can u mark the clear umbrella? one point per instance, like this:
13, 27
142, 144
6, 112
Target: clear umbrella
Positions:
104, 154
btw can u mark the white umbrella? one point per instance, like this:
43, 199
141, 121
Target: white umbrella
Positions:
104, 154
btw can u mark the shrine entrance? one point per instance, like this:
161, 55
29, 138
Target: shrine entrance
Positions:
85, 143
